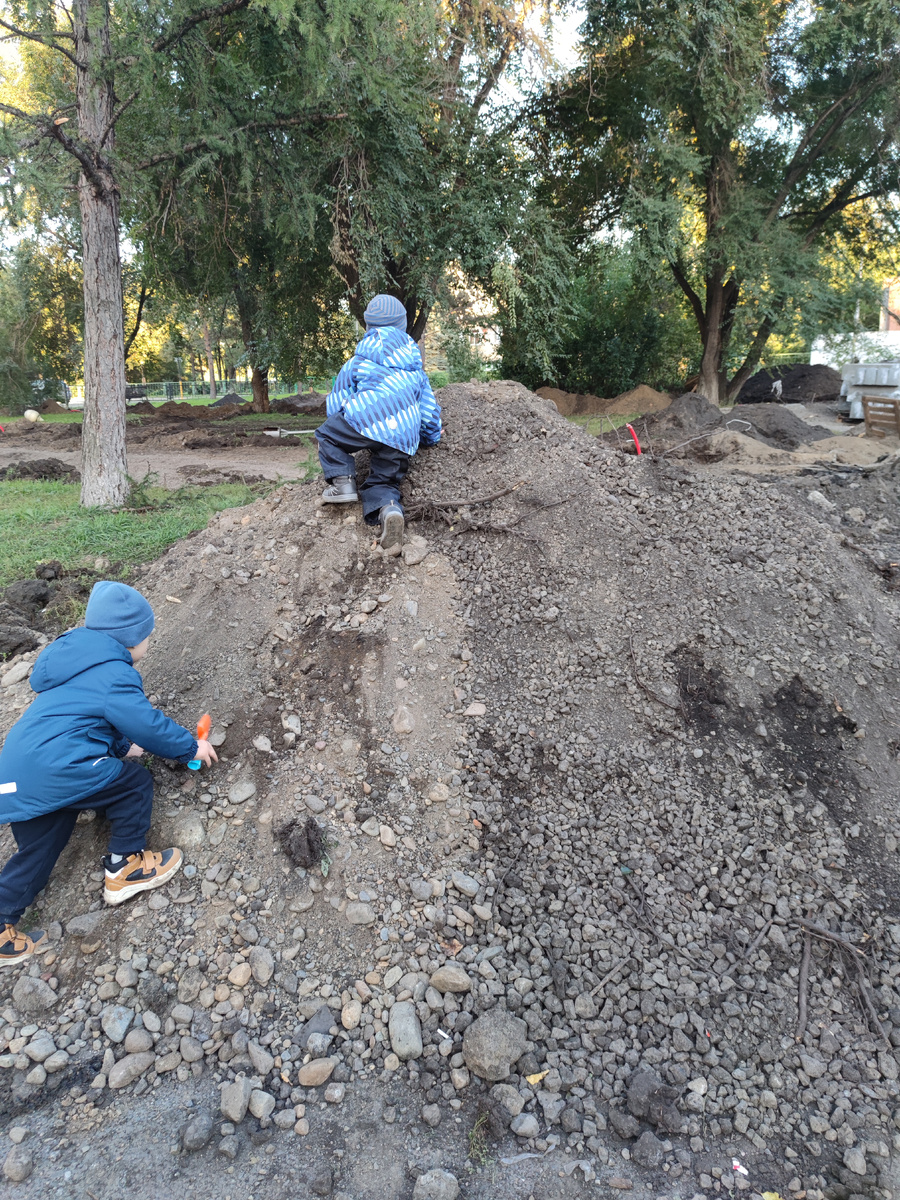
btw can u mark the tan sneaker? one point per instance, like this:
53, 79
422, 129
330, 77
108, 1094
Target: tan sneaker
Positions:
15, 946
140, 873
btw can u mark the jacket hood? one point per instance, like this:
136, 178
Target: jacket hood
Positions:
74, 652
390, 347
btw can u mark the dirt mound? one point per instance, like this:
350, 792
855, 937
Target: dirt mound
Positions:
230, 399
775, 426
311, 404
571, 404
800, 384
52, 406
591, 755
641, 399
193, 412
41, 468
688, 420
144, 407
688, 416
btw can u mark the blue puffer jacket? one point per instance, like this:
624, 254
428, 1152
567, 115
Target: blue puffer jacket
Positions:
384, 393
69, 742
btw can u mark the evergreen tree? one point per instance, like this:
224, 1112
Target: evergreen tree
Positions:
735, 138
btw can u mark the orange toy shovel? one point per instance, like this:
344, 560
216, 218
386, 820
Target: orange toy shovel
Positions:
203, 726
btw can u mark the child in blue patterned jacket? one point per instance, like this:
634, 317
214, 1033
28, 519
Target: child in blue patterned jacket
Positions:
381, 402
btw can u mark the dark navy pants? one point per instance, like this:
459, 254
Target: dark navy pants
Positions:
127, 803
339, 441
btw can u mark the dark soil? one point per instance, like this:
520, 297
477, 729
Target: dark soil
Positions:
800, 384
777, 427
41, 468
691, 418
302, 842
230, 398
43, 606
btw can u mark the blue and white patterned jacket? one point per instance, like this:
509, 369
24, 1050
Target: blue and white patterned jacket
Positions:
384, 393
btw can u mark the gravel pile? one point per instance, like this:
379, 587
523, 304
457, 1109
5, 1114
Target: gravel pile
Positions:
584, 761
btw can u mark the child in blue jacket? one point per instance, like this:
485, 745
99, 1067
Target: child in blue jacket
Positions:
381, 402
74, 748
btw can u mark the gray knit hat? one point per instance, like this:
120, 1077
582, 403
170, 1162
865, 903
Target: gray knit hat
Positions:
385, 310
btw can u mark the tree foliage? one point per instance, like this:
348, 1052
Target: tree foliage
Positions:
735, 138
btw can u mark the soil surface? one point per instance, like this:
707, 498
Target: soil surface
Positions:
606, 769
178, 450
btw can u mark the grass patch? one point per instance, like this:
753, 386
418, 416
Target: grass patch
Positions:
43, 520
605, 423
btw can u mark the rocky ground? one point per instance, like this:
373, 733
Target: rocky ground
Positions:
604, 771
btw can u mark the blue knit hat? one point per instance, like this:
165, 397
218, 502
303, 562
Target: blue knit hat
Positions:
120, 611
385, 310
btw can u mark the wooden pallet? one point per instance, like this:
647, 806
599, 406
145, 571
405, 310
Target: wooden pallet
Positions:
882, 416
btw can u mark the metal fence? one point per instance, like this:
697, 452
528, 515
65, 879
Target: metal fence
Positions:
195, 389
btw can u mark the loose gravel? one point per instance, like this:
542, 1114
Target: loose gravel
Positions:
605, 771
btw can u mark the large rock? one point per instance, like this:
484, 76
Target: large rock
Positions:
129, 1069
451, 978
241, 791
188, 832
359, 913
18, 1164
151, 990
235, 1099
406, 1031
320, 1022
525, 1125
642, 1087
262, 1104
436, 1185
33, 997
262, 964
260, 1058
85, 925
493, 1043
315, 1073
198, 1131
648, 1150
190, 985
116, 1021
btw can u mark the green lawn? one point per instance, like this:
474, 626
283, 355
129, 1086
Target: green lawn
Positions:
245, 420
41, 521
603, 424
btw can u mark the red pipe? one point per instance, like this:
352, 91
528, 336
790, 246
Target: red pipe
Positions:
637, 444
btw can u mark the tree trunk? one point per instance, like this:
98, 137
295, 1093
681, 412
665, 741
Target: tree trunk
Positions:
259, 377
712, 378
210, 360
260, 382
104, 466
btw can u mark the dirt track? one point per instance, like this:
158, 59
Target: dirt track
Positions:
177, 452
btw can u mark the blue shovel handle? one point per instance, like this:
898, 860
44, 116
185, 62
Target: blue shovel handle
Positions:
195, 764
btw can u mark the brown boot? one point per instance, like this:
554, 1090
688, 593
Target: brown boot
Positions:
139, 872
15, 946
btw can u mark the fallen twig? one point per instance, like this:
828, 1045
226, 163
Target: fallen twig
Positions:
609, 976
822, 932
858, 957
756, 941
863, 985
803, 987
420, 508
646, 687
